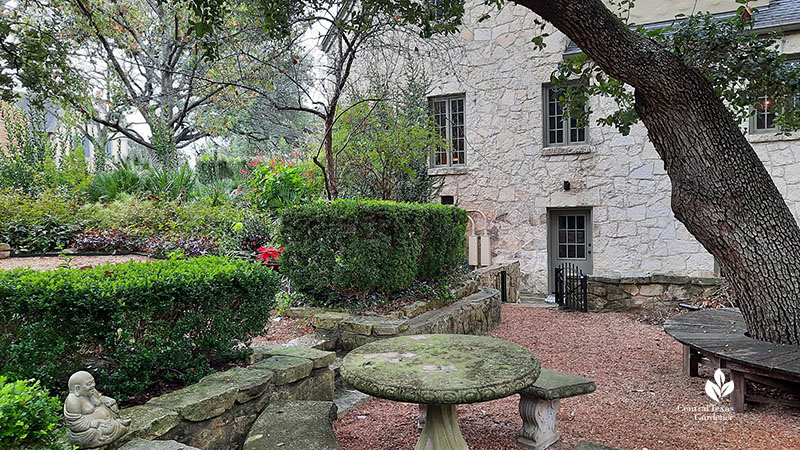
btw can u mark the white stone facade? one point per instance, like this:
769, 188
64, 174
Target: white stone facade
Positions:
514, 179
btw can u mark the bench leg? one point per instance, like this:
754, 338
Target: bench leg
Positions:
739, 391
538, 422
691, 358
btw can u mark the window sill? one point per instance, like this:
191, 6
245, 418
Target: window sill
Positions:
756, 137
566, 150
433, 171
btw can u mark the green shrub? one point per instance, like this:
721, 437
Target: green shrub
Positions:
254, 231
277, 184
147, 218
213, 167
349, 247
169, 184
132, 324
108, 186
39, 223
29, 417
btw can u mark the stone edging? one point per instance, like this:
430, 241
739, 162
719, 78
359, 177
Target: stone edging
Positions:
217, 412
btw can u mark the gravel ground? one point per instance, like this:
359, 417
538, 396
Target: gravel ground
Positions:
641, 400
52, 262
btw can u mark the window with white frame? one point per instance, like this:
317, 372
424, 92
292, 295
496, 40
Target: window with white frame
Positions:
559, 127
764, 113
763, 118
448, 115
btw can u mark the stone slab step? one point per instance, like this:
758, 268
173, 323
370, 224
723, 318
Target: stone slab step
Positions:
348, 399
294, 425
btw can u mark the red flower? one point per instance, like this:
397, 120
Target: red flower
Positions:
267, 254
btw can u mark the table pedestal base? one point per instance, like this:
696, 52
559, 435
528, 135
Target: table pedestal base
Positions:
441, 431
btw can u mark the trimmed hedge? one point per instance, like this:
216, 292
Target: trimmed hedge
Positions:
132, 324
348, 247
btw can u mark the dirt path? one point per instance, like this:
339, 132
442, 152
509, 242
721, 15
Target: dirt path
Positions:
642, 400
52, 262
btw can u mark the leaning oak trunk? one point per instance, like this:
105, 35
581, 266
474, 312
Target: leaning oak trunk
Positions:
721, 191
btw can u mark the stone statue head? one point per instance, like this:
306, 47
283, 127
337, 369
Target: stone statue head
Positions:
81, 384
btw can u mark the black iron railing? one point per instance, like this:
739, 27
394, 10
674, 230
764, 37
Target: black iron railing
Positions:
571, 285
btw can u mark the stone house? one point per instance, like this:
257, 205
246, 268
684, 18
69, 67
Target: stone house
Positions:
553, 192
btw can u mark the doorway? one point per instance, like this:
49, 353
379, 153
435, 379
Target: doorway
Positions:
569, 240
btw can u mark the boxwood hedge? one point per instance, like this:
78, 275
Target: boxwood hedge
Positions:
132, 324
348, 247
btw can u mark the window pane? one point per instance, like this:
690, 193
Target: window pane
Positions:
581, 251
580, 237
580, 220
571, 237
571, 222
559, 127
562, 236
570, 251
562, 222
562, 251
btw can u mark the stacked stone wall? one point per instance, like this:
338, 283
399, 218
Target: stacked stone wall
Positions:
475, 314
645, 292
217, 412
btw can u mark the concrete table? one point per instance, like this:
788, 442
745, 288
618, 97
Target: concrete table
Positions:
441, 371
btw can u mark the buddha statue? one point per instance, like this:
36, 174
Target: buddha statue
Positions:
92, 418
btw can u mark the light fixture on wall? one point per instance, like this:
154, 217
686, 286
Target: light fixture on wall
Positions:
567, 186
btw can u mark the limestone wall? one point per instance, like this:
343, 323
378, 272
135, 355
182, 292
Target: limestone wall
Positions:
645, 292
515, 180
475, 314
217, 412
491, 276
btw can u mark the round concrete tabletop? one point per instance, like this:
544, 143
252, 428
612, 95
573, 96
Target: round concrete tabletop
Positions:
443, 369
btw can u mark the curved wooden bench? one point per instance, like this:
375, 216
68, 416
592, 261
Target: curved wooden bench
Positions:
718, 335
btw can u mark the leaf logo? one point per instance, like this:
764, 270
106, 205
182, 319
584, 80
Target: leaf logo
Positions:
719, 389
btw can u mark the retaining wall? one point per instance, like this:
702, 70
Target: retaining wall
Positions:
475, 314
645, 292
217, 412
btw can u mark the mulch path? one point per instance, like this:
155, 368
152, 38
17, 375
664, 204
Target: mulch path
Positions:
283, 329
642, 400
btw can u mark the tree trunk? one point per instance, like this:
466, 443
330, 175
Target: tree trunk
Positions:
330, 159
721, 191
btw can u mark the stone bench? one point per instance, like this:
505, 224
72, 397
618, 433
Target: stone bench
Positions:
294, 425
538, 405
